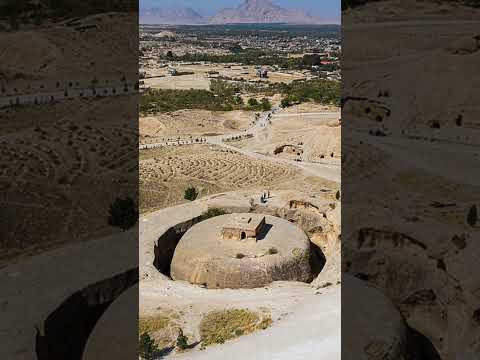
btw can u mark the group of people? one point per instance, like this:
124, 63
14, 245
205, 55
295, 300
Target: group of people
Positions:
265, 196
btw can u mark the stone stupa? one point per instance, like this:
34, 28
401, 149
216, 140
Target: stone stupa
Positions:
242, 251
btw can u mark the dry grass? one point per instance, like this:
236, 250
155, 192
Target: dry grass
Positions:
219, 326
152, 323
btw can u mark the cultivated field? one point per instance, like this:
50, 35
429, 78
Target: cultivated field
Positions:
165, 173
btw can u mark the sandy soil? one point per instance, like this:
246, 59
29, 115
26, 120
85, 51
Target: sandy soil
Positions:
195, 123
315, 136
201, 79
423, 169
56, 154
284, 302
166, 173
47, 55
278, 343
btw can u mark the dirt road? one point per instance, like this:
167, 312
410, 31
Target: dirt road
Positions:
330, 172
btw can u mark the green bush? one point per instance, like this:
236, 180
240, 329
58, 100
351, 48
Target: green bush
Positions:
319, 91
147, 348
123, 213
266, 106
211, 213
285, 103
220, 97
182, 341
191, 194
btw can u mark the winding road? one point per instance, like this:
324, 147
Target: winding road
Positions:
330, 172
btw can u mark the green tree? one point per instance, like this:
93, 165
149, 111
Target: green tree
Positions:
238, 100
285, 103
147, 348
123, 213
266, 106
191, 194
236, 49
182, 341
252, 102
472, 216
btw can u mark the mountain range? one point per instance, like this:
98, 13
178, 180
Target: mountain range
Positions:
177, 16
250, 11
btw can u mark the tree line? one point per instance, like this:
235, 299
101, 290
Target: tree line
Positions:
252, 57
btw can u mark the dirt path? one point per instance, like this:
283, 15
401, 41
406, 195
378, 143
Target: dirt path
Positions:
330, 172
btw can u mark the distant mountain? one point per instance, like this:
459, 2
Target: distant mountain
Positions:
174, 16
262, 12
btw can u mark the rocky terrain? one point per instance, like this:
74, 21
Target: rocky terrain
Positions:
414, 161
261, 11
279, 304
175, 15
251, 11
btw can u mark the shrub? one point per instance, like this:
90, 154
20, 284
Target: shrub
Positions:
147, 348
272, 251
319, 91
266, 106
238, 100
265, 323
152, 323
252, 102
211, 213
123, 213
191, 194
285, 103
219, 326
182, 341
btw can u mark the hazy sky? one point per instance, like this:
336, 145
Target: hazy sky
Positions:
327, 9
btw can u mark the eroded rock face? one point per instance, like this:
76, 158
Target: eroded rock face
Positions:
204, 257
374, 329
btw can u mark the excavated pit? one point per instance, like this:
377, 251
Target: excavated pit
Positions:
312, 257
167, 243
67, 329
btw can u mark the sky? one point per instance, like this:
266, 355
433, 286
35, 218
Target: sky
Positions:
326, 9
